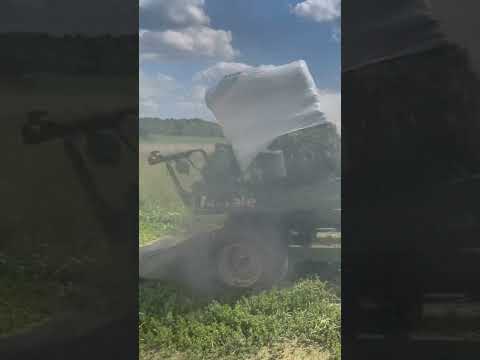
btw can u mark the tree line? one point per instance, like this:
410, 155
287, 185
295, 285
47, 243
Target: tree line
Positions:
27, 53
179, 127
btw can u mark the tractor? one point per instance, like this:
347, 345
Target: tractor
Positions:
283, 209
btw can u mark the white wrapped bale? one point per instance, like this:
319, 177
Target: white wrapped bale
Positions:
257, 106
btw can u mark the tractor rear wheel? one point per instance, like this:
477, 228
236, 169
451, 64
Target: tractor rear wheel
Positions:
251, 258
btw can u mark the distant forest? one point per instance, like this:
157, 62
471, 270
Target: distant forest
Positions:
27, 53
178, 127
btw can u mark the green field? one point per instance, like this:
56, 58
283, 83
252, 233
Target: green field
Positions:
299, 321
161, 211
54, 258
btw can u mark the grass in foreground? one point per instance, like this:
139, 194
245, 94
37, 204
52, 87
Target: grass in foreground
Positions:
41, 284
31, 293
155, 221
26, 299
297, 323
175, 326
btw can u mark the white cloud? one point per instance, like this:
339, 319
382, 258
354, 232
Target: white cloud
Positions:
163, 96
179, 29
318, 10
167, 14
157, 84
155, 92
189, 42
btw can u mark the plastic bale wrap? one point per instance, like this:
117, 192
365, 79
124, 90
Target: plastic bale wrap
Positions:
257, 106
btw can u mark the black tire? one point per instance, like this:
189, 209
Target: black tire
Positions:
266, 253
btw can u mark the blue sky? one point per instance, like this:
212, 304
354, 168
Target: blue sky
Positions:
188, 45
